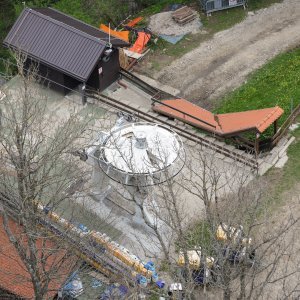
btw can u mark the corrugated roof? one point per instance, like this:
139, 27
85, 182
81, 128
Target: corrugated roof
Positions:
185, 106
221, 124
259, 119
55, 44
98, 33
14, 276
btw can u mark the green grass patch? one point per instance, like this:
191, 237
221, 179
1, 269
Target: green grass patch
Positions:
292, 168
224, 19
200, 235
277, 83
76, 9
158, 7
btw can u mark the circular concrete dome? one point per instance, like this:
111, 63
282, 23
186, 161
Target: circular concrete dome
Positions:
142, 154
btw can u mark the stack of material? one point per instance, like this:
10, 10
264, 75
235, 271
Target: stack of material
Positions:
184, 15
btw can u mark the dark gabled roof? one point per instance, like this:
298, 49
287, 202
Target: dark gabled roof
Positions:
55, 44
68, 20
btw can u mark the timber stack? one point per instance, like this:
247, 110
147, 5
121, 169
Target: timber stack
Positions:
184, 15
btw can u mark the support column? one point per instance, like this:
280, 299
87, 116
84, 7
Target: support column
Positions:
257, 144
100, 183
83, 94
275, 127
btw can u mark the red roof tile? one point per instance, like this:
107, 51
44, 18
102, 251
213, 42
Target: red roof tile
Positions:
189, 108
259, 119
221, 124
14, 276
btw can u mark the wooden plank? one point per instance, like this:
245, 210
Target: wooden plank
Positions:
181, 18
182, 12
188, 20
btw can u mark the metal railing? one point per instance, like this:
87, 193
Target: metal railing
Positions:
285, 126
210, 6
182, 131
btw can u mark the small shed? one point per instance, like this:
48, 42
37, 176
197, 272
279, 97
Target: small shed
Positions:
210, 6
69, 53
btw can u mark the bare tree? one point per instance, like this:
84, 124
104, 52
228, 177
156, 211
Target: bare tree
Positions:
237, 204
38, 166
248, 258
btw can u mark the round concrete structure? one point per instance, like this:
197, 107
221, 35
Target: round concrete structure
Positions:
141, 154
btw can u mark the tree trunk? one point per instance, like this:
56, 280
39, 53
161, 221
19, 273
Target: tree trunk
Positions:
242, 283
227, 294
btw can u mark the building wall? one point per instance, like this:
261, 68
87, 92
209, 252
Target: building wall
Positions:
93, 81
110, 70
70, 83
104, 74
57, 80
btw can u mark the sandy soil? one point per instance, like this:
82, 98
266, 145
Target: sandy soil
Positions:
223, 63
163, 23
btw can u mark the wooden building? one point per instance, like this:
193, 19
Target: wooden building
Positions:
69, 53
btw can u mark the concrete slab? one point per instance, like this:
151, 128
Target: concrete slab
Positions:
122, 203
192, 206
131, 94
220, 156
263, 168
285, 147
281, 162
166, 88
229, 160
294, 126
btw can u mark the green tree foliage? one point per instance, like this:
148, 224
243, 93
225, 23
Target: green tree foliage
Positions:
7, 18
104, 11
7, 15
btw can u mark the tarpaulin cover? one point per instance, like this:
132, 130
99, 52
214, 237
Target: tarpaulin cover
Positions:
141, 42
124, 35
173, 39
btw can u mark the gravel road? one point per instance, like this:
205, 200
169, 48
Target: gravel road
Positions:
223, 63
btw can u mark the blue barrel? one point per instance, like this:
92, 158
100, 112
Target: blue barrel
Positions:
154, 277
150, 266
160, 284
142, 280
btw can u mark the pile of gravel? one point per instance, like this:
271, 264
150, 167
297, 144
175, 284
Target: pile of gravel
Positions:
163, 23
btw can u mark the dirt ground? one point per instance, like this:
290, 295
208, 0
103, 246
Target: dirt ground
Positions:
223, 63
290, 264
163, 23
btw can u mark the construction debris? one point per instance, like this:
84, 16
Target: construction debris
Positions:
134, 22
184, 15
123, 58
163, 23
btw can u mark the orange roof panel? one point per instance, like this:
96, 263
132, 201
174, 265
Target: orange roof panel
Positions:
185, 107
259, 119
221, 124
